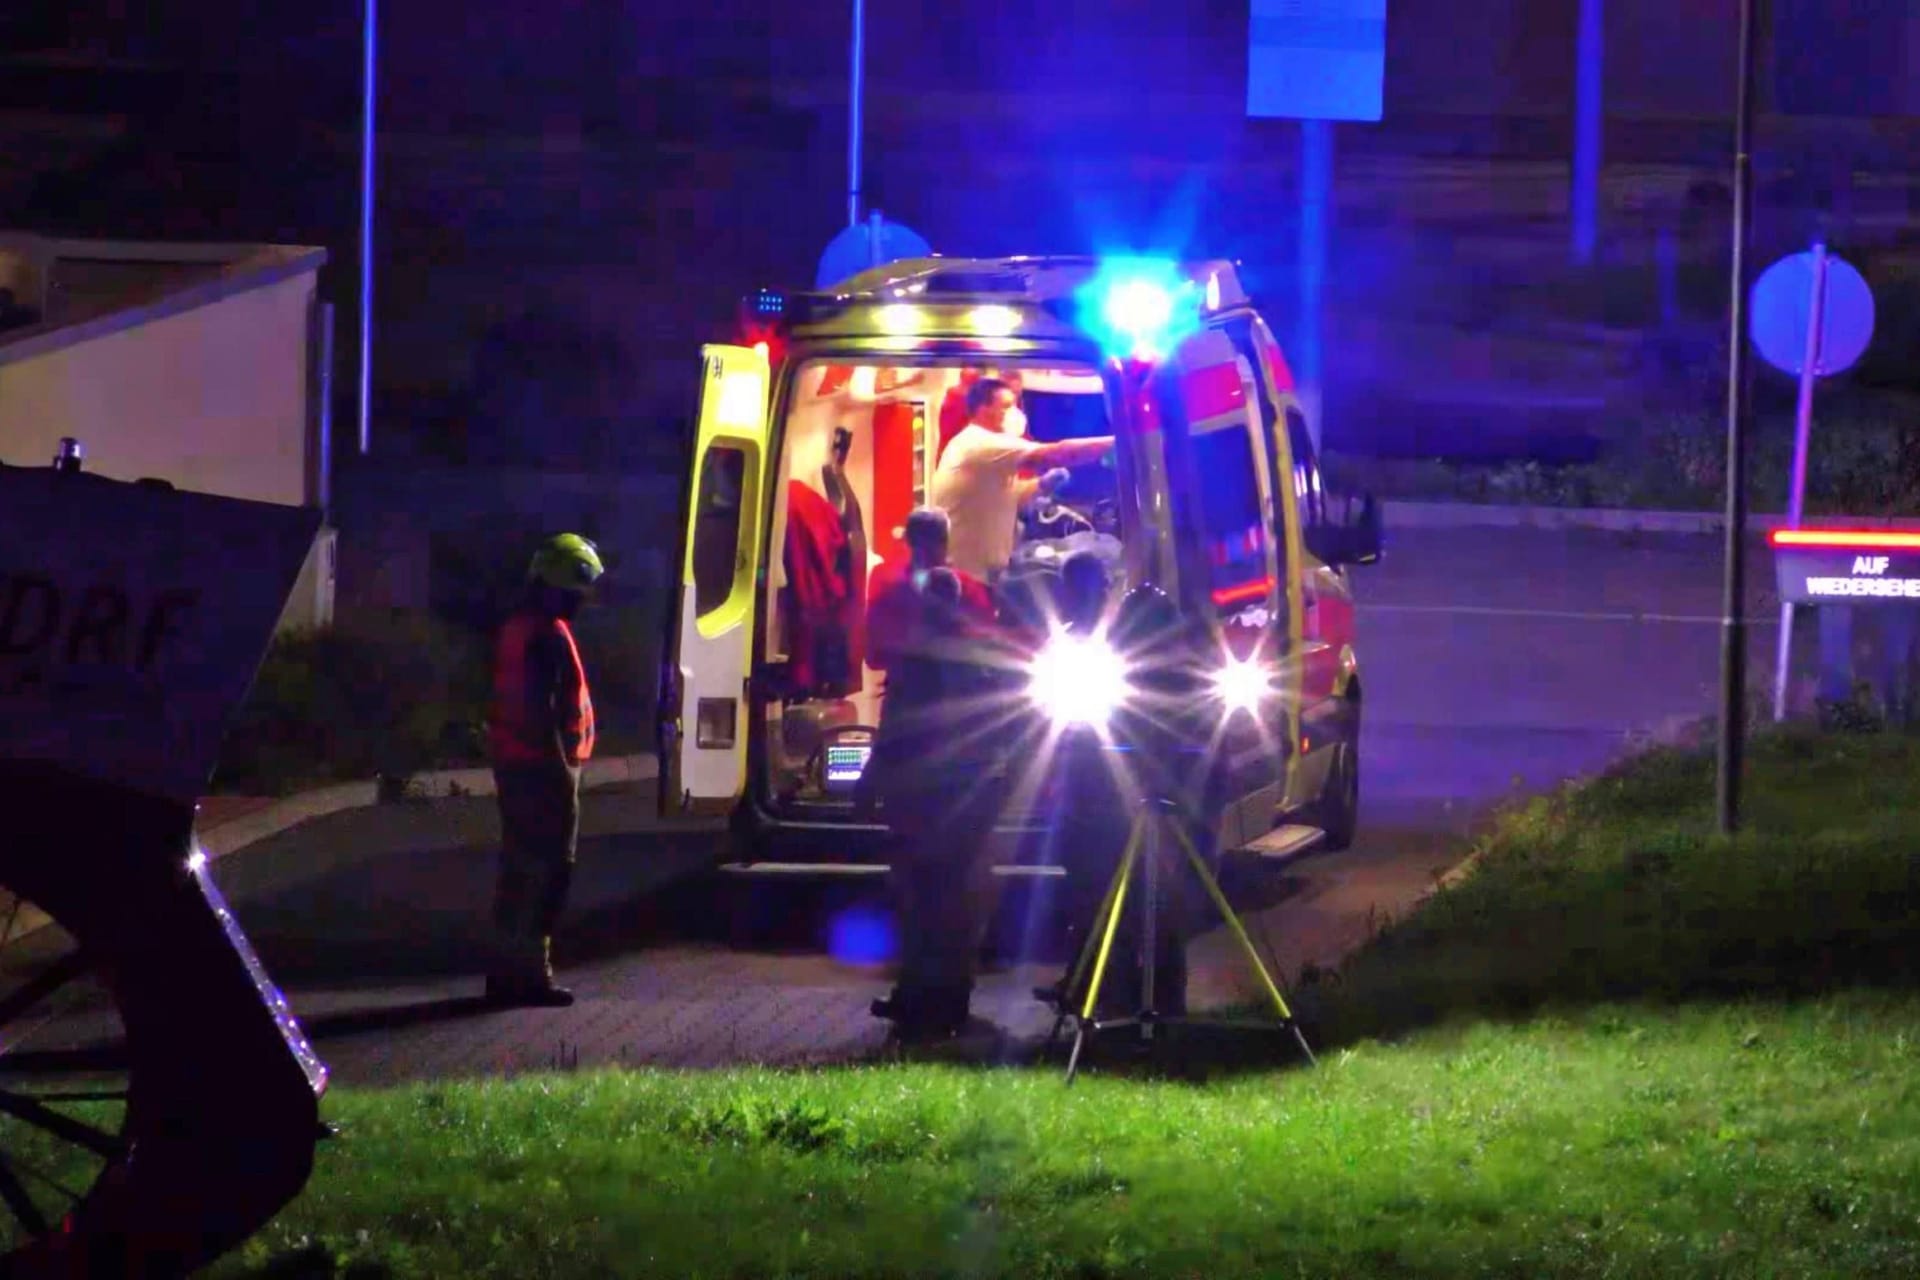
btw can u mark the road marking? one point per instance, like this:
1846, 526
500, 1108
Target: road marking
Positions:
1559, 615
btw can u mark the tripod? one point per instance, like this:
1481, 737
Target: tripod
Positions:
1152, 817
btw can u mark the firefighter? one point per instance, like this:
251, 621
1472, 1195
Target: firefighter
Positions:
938, 773
540, 731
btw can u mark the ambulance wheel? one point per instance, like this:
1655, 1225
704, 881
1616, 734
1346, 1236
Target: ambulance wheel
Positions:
1337, 812
66, 1122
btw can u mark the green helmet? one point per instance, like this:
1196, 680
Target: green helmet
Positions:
567, 561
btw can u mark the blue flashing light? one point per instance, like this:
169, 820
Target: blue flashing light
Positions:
768, 302
1140, 307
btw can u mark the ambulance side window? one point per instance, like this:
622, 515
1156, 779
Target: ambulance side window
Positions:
1306, 470
716, 527
1232, 522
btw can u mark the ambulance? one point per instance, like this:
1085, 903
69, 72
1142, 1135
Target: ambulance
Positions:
823, 427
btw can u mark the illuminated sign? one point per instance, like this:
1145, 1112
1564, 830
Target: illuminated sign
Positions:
1846, 566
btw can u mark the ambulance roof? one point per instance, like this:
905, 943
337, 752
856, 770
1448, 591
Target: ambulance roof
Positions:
1014, 280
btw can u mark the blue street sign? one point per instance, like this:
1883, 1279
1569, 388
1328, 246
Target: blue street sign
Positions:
852, 251
1317, 59
1782, 300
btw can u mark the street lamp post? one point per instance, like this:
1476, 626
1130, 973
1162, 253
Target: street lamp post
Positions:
856, 85
365, 371
1733, 629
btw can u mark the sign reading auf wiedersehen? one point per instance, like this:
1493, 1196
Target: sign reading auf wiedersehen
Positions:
1821, 566
132, 622
1317, 59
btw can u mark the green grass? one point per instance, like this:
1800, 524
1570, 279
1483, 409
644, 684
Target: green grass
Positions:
1620, 888
1622, 1048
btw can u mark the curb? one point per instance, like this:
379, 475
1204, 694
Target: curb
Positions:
1469, 515
237, 833
1671, 732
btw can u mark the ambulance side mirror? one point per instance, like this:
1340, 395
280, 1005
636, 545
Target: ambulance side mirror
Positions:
1348, 533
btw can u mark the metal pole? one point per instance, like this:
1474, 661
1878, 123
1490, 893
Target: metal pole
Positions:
1316, 184
323, 407
1588, 128
370, 23
857, 87
1797, 485
1733, 630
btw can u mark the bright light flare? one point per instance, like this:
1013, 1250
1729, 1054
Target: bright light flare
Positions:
993, 321
1243, 686
1078, 680
1140, 307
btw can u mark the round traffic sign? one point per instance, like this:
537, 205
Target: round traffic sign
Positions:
1783, 300
855, 249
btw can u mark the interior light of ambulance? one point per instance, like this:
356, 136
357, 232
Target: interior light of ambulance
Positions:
993, 321
898, 319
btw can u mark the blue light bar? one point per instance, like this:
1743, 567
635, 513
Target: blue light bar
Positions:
768, 302
1139, 307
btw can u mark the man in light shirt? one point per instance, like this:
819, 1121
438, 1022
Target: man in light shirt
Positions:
979, 484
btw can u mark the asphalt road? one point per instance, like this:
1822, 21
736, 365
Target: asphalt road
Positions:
1496, 663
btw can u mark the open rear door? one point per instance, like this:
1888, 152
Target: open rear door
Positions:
703, 713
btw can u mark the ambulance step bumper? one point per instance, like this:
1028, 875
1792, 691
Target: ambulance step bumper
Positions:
856, 870
1289, 841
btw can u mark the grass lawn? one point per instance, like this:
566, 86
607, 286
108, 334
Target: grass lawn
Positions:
1623, 1047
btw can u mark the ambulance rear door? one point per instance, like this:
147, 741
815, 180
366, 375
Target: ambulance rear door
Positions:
1241, 562
703, 712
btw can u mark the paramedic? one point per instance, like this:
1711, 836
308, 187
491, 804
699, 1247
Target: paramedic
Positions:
978, 482
539, 732
939, 771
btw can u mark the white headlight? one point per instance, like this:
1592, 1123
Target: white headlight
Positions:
1243, 686
1078, 680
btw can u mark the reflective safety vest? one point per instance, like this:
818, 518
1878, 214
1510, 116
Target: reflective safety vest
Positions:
539, 691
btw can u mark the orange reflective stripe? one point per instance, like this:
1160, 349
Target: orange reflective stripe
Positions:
580, 715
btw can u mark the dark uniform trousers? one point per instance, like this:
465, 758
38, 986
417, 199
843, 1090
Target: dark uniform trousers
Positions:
539, 827
944, 883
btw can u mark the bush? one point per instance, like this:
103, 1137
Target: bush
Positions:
381, 694
1864, 460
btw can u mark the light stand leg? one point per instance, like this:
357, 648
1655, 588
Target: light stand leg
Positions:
1246, 944
1149, 924
1106, 944
1092, 944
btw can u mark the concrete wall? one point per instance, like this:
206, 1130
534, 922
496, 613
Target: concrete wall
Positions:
213, 399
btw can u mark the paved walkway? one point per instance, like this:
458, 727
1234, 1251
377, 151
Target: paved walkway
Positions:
664, 999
